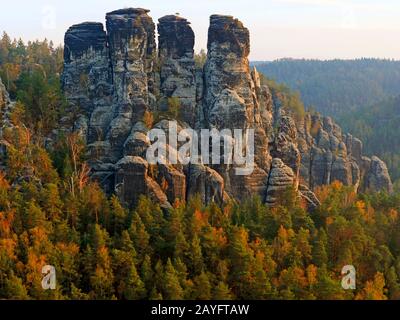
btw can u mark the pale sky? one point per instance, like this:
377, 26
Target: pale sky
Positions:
322, 29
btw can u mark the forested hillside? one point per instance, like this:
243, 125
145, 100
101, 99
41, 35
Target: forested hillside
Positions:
52, 213
337, 86
378, 127
31, 75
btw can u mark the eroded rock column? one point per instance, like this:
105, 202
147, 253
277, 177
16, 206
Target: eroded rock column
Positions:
177, 67
131, 34
233, 98
86, 80
131, 37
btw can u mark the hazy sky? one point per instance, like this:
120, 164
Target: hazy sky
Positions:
322, 29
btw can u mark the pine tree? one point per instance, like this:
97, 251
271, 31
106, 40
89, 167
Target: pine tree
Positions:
393, 284
196, 256
222, 292
77, 294
202, 287
118, 216
182, 248
133, 287
319, 254
327, 288
172, 288
147, 273
241, 257
182, 273
101, 277
155, 295
14, 289
140, 236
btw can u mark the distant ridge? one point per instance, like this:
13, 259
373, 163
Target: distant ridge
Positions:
336, 86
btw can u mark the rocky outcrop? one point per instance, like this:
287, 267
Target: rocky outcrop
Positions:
206, 183
177, 67
87, 80
131, 39
117, 86
280, 178
328, 155
132, 174
377, 177
285, 144
309, 197
233, 96
228, 83
131, 34
4, 98
6, 108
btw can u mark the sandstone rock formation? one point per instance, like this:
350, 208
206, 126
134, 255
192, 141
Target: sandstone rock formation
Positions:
177, 66
114, 80
328, 155
87, 80
378, 176
6, 106
132, 173
280, 178
4, 99
232, 99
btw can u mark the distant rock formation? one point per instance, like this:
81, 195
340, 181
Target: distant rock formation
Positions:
328, 155
6, 108
4, 99
114, 79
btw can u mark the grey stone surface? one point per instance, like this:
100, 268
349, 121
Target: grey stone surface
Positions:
177, 66
280, 178
378, 177
114, 79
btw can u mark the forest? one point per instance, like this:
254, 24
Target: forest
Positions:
378, 127
52, 213
335, 87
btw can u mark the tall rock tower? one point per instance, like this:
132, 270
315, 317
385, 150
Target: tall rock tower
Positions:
177, 66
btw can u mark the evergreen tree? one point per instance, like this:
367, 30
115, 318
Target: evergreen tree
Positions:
172, 289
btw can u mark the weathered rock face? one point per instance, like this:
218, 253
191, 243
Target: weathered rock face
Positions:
4, 99
309, 197
87, 79
131, 38
377, 176
280, 178
233, 99
327, 155
6, 108
285, 144
133, 174
113, 80
207, 183
177, 66
228, 84
131, 34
